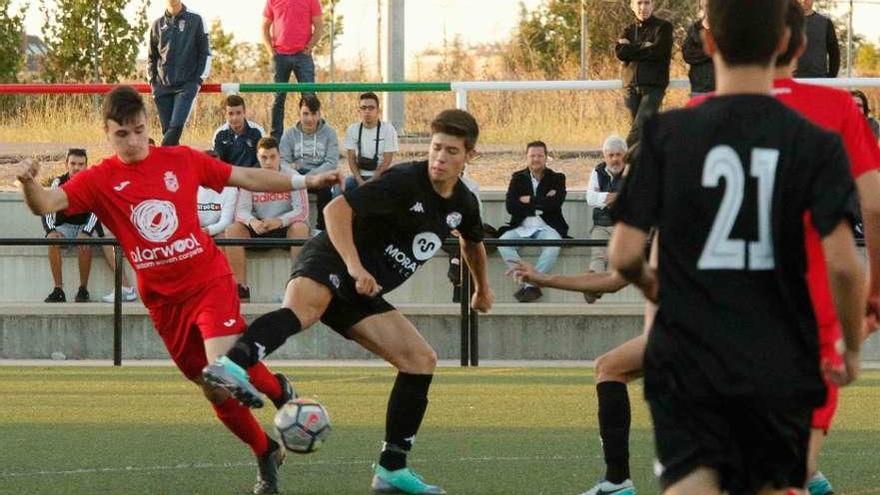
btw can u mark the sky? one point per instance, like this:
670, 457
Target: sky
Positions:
476, 21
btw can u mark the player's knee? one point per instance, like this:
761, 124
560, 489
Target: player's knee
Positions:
607, 369
215, 395
423, 361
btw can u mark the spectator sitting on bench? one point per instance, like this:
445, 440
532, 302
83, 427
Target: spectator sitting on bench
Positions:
266, 215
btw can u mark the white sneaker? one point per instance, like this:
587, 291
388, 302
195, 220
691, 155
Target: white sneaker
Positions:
128, 295
607, 488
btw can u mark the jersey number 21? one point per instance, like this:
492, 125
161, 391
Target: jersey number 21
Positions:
721, 252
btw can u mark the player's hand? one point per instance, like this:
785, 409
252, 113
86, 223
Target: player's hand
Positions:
846, 374
623, 41
27, 171
610, 199
525, 273
482, 300
365, 283
326, 179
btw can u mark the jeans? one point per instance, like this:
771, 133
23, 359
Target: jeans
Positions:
599, 255
642, 102
174, 106
548, 255
303, 67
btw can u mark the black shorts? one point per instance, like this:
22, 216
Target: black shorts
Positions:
750, 444
324, 265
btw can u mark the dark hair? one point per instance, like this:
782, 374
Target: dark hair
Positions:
76, 152
866, 108
457, 123
311, 102
122, 105
537, 144
234, 101
794, 21
747, 32
369, 95
267, 143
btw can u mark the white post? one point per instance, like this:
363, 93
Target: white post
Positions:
396, 64
461, 99
849, 42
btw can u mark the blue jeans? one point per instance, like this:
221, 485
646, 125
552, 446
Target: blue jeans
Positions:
303, 67
548, 255
174, 105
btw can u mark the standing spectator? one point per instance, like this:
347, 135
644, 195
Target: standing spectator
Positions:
291, 29
369, 145
266, 215
179, 60
81, 226
534, 201
702, 71
235, 142
821, 57
311, 147
605, 182
645, 48
861, 100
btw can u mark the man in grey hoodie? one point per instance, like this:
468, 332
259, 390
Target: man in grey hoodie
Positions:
311, 147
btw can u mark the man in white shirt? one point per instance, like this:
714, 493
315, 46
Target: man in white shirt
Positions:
370, 144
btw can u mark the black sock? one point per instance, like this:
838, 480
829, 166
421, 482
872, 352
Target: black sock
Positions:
406, 408
614, 422
263, 336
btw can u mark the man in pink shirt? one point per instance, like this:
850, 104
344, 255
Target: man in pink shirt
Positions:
291, 29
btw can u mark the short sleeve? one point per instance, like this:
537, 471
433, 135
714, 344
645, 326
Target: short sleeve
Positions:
80, 194
639, 201
859, 141
831, 191
351, 137
471, 227
268, 13
315, 8
212, 172
386, 195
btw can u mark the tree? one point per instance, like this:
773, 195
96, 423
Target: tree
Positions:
867, 59
92, 40
11, 32
548, 38
327, 10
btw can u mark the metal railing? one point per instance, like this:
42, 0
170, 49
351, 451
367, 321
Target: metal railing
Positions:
469, 321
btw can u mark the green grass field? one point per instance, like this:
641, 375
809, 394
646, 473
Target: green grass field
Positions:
137, 430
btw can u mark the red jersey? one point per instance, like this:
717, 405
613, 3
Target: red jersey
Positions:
833, 110
151, 207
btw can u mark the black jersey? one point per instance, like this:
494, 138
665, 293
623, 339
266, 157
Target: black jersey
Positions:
728, 185
400, 222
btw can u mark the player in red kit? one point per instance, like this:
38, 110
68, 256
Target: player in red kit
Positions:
147, 197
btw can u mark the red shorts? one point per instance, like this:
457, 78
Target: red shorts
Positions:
829, 355
213, 311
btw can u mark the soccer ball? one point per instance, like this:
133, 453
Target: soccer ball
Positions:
303, 425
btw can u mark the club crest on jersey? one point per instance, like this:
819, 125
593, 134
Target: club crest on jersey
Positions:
453, 220
182, 25
171, 181
334, 279
418, 208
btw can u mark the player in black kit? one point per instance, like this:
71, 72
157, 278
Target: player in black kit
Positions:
377, 236
732, 362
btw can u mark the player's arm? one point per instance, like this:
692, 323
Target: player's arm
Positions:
606, 282
39, 199
262, 180
474, 254
339, 220
627, 256
868, 184
847, 290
